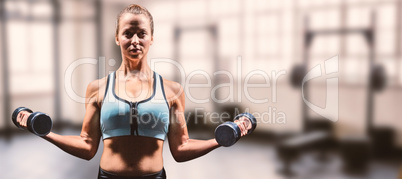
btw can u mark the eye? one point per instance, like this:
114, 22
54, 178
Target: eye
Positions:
142, 34
128, 34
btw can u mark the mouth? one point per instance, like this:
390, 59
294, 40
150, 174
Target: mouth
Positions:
135, 50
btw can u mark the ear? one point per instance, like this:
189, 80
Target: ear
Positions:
152, 39
116, 39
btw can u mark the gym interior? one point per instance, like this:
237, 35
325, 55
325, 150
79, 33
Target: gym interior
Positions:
323, 79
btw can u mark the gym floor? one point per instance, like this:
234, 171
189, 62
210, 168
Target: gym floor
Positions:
27, 156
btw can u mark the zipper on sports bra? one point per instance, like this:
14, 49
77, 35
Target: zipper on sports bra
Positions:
134, 118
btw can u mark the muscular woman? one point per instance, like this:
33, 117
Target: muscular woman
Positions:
134, 110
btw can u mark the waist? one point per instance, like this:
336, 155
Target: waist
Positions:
108, 175
132, 155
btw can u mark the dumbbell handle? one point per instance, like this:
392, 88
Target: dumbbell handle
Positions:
37, 122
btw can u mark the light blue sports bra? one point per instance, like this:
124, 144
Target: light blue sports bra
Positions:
149, 117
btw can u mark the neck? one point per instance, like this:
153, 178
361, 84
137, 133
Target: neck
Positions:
135, 68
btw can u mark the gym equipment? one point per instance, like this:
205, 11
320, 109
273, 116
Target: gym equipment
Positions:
38, 123
297, 75
382, 140
317, 137
290, 149
378, 77
229, 133
356, 153
376, 83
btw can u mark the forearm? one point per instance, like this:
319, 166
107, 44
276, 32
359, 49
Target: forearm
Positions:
79, 146
193, 148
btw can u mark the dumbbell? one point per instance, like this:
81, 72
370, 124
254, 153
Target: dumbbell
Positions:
229, 133
38, 123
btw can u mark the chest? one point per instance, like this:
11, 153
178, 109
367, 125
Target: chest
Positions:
134, 90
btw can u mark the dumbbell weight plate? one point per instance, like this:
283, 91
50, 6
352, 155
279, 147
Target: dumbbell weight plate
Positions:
227, 134
15, 115
39, 123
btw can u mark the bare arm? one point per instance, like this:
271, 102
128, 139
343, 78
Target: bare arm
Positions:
181, 146
86, 145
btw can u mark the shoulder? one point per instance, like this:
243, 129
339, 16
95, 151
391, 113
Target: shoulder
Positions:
174, 91
96, 85
96, 90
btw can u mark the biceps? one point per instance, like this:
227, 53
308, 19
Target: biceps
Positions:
91, 123
178, 133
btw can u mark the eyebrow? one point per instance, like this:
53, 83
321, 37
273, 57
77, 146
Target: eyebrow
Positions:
135, 27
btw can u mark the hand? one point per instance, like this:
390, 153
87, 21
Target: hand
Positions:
22, 118
244, 124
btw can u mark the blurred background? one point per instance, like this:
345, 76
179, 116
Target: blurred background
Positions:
268, 44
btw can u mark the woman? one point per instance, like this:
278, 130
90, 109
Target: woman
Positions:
134, 110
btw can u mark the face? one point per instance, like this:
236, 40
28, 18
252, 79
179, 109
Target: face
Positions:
134, 36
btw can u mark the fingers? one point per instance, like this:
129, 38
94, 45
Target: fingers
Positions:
247, 122
243, 125
22, 118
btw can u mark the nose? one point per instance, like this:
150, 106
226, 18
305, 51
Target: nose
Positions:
135, 40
